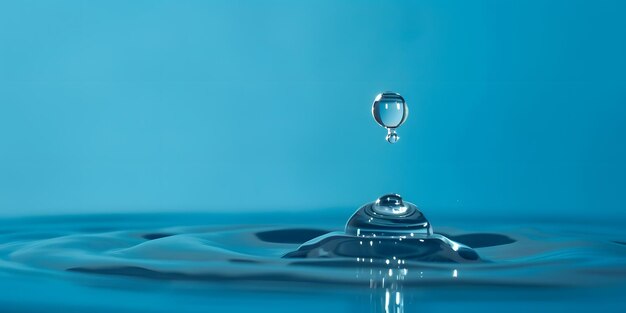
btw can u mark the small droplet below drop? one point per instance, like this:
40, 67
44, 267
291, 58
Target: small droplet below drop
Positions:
392, 136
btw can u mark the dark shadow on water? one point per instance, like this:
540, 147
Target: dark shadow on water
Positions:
293, 235
243, 261
153, 236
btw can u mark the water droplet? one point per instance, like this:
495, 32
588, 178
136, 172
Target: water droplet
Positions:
392, 136
390, 111
390, 204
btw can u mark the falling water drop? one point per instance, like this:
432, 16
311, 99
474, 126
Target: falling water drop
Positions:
390, 111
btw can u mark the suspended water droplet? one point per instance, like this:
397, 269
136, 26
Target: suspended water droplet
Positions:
390, 111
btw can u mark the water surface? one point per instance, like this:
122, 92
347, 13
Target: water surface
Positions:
202, 262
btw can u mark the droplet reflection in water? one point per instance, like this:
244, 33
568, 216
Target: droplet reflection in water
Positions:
390, 111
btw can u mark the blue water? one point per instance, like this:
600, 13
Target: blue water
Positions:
208, 262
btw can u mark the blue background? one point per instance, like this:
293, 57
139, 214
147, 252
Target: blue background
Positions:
518, 108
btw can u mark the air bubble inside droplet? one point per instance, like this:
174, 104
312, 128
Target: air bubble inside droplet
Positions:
390, 111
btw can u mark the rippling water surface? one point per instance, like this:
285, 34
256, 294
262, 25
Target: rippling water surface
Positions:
204, 262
